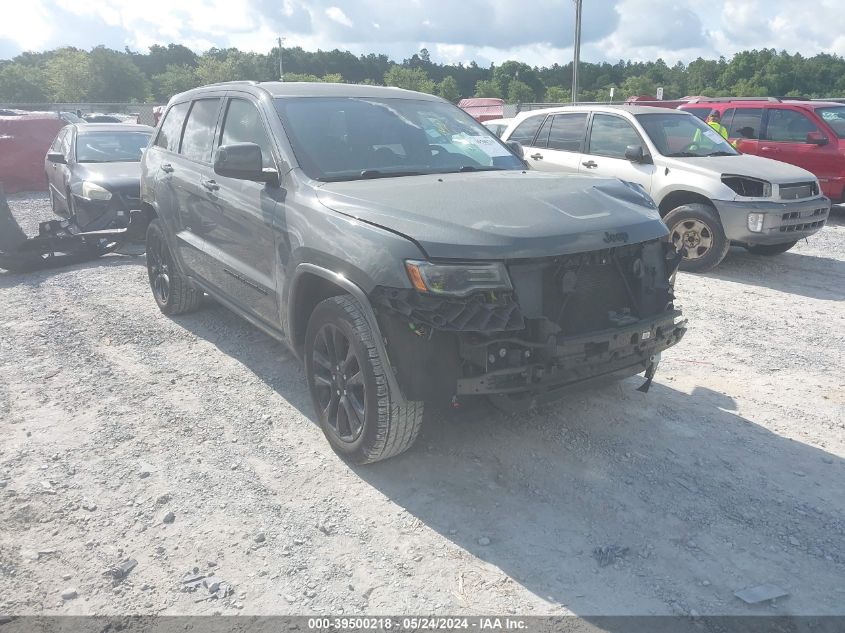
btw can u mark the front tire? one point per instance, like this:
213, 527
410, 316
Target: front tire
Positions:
769, 249
697, 228
349, 389
173, 292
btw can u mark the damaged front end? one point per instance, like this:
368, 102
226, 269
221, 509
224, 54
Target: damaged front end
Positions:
563, 321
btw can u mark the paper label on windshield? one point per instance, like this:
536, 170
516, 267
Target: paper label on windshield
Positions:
714, 136
488, 145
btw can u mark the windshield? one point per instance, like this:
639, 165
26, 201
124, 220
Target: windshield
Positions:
110, 147
345, 138
835, 118
688, 136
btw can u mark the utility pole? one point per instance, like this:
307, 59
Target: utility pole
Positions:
577, 52
281, 70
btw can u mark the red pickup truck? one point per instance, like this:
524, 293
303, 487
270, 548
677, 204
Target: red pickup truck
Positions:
809, 134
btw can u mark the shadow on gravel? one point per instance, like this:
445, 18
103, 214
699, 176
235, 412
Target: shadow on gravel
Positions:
681, 487
794, 273
675, 488
37, 277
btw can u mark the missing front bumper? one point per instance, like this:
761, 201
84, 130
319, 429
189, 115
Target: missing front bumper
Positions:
568, 361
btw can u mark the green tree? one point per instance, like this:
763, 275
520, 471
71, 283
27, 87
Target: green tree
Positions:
173, 80
410, 79
448, 89
156, 61
212, 70
301, 77
332, 78
68, 75
520, 92
637, 85
114, 77
487, 88
556, 94
22, 83
517, 71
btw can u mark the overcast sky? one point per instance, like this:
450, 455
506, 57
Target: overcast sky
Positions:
538, 32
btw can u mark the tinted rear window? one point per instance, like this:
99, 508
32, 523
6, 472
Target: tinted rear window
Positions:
746, 123
568, 132
171, 128
199, 130
527, 130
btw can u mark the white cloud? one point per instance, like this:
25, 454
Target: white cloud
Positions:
337, 14
27, 24
482, 30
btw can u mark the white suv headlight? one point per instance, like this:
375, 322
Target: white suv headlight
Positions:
93, 191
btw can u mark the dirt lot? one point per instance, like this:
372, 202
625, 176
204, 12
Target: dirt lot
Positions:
728, 474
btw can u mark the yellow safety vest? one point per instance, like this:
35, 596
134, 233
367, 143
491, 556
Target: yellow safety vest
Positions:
721, 129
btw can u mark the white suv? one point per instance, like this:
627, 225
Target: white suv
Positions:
709, 195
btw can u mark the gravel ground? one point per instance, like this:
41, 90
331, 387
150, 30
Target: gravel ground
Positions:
187, 445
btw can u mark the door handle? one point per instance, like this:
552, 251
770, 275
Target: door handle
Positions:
769, 149
590, 164
211, 185
537, 156
166, 168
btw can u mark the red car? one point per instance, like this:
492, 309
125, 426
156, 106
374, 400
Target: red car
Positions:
809, 134
483, 108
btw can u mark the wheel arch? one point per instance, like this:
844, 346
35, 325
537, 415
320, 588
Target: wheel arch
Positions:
312, 284
681, 197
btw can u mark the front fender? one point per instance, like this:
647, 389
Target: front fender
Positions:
360, 296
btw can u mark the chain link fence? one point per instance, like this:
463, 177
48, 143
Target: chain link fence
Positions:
134, 112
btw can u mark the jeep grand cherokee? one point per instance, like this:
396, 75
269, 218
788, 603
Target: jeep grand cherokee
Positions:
403, 251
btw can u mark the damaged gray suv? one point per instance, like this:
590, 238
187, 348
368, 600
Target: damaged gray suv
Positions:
404, 252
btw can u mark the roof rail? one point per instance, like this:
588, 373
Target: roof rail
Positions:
249, 82
727, 99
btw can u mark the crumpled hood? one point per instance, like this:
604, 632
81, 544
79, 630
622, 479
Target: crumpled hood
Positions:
500, 214
774, 171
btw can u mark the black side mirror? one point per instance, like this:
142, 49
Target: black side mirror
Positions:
635, 154
816, 138
516, 148
242, 161
56, 157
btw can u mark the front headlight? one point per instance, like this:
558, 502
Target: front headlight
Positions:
457, 279
94, 191
748, 187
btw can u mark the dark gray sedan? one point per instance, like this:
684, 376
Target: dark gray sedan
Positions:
93, 172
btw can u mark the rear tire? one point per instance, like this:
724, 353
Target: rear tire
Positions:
697, 228
174, 293
769, 249
349, 388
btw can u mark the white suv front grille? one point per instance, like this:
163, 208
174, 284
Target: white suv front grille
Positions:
798, 190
